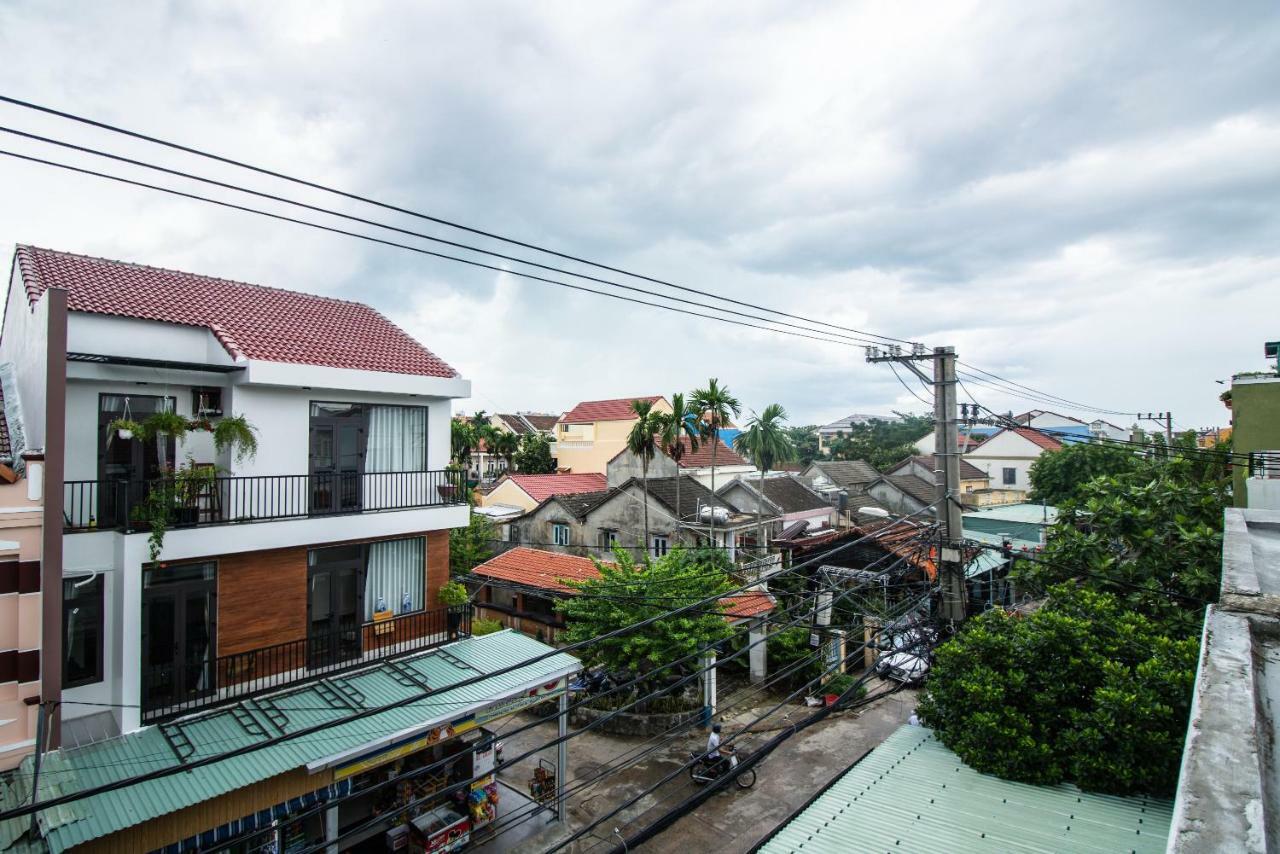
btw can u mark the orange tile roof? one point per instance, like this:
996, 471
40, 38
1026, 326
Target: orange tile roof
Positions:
540, 487
701, 458
751, 603
618, 409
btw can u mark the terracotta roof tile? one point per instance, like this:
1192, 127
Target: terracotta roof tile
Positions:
250, 321
542, 486
750, 603
701, 458
618, 409
1036, 437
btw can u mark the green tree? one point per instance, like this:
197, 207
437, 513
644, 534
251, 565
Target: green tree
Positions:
1060, 476
766, 442
534, 455
790, 654
628, 592
881, 443
470, 545
805, 440
504, 445
681, 424
462, 441
1081, 691
642, 441
1152, 537
716, 407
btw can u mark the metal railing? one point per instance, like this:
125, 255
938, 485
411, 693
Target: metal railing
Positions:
189, 499
170, 690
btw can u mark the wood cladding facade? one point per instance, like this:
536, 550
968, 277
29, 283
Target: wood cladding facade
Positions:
262, 596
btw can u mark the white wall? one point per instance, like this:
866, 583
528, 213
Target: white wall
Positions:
23, 343
1003, 450
109, 335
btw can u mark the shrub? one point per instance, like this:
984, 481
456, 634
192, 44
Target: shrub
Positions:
485, 626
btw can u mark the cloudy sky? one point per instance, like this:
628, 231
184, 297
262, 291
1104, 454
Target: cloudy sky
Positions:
1079, 197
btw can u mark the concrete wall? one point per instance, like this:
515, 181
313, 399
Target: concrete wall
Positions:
1010, 450
23, 344
1255, 423
894, 499
626, 466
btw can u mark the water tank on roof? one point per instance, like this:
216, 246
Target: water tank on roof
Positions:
721, 514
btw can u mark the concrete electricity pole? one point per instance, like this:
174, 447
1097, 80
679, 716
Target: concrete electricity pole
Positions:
1165, 418
946, 444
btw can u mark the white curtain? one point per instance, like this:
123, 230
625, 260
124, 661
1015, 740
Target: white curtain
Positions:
397, 569
397, 439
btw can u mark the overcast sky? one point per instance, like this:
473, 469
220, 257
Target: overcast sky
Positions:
1080, 197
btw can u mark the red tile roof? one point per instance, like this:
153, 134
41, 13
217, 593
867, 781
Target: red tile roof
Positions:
701, 458
542, 486
1037, 438
543, 570
536, 568
250, 321
603, 410
751, 603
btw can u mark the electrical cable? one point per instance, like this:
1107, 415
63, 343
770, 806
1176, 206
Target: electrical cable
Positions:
427, 217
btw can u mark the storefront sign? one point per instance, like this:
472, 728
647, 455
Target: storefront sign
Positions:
516, 704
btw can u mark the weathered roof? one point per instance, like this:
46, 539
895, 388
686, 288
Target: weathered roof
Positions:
913, 794
749, 603
692, 495
539, 569
540, 422
516, 423
847, 472
539, 487
1031, 434
250, 321
618, 409
579, 504
701, 458
787, 492
250, 721
968, 471
916, 487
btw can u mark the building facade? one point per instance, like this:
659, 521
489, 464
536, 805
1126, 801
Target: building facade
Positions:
1255, 430
594, 431
1007, 456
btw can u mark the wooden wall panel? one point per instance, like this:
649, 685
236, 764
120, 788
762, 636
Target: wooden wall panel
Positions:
262, 599
437, 564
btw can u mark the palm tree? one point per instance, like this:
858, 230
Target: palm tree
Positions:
462, 439
642, 442
505, 445
676, 427
766, 442
716, 407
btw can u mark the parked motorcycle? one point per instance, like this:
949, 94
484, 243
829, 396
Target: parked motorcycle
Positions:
704, 770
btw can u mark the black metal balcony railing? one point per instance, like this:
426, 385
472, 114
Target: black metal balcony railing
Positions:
196, 500
201, 682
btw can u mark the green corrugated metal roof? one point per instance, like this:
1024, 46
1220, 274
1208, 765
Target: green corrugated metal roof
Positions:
250, 721
913, 794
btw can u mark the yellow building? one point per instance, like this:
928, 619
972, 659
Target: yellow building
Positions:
594, 431
527, 491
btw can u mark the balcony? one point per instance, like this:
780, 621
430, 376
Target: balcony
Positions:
198, 682
199, 499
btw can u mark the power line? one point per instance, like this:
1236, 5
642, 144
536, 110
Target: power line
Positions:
419, 215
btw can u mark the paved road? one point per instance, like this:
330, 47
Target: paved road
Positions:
732, 821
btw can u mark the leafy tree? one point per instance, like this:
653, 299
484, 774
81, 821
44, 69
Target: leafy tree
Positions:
716, 407
1081, 690
881, 443
680, 425
805, 440
1060, 476
789, 648
766, 442
534, 455
471, 545
504, 445
1152, 537
643, 442
628, 592
462, 440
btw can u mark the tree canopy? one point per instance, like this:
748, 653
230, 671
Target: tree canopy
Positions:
1152, 537
470, 545
627, 593
1060, 476
534, 455
805, 440
881, 443
1082, 691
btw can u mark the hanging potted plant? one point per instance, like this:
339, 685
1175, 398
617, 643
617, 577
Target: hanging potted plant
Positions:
453, 595
237, 435
161, 427
124, 428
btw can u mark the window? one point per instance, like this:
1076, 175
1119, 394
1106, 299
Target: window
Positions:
608, 538
1010, 476
660, 546
1265, 464
560, 534
395, 577
82, 631
513, 533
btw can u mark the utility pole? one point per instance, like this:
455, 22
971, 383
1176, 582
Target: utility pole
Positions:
947, 509
1165, 418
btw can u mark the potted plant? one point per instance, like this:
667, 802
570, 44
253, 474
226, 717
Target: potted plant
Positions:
162, 426
125, 428
453, 595
190, 483
236, 434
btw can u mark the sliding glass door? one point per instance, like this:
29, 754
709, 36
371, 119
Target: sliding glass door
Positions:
179, 613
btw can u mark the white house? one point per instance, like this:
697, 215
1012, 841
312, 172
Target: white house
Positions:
1007, 456
1054, 421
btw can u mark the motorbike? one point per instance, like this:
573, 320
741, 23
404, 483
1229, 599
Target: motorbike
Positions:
703, 770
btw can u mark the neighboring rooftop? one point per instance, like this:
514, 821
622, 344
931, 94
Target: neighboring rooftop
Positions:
250, 321
1041, 514
1032, 435
540, 487
539, 421
747, 604
847, 473
788, 493
701, 458
916, 487
693, 495
968, 471
538, 569
243, 725
618, 409
1228, 796
857, 418
913, 794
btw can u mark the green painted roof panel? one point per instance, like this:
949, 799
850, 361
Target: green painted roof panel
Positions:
912, 794
222, 730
